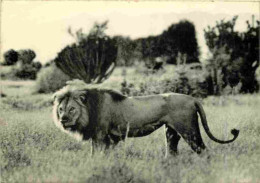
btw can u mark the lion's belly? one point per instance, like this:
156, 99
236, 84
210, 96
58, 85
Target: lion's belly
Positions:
143, 131
132, 131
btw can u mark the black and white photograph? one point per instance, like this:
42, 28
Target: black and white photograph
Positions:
129, 91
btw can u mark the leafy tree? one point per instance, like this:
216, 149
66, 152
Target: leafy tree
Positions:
235, 56
26, 56
10, 57
92, 58
180, 38
251, 58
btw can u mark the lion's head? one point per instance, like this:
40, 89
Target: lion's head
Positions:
70, 111
78, 108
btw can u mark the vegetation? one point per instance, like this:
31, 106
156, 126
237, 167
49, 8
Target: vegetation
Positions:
26, 56
183, 80
34, 150
179, 38
235, 55
21, 65
26, 71
92, 58
10, 57
50, 79
127, 51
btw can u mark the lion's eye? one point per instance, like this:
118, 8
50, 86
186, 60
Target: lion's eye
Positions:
72, 110
60, 109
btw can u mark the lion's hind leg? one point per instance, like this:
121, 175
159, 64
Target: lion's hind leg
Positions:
195, 141
192, 136
172, 140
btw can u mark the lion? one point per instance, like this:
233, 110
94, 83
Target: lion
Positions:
107, 117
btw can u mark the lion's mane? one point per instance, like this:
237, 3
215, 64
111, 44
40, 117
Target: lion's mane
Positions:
93, 98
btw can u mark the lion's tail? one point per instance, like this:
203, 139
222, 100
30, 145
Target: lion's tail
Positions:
202, 114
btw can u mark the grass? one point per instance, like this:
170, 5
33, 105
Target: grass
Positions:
34, 150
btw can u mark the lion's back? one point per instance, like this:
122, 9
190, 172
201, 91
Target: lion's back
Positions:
180, 104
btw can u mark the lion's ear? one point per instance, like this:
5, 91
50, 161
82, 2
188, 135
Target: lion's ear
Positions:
82, 96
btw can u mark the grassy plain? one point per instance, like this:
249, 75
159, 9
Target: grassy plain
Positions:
33, 150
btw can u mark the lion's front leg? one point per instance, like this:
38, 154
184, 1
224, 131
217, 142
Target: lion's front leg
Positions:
172, 140
101, 142
97, 146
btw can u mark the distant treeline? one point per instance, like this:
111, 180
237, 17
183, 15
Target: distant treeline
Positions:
178, 39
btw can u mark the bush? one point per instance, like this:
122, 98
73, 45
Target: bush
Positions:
184, 80
21, 71
26, 71
50, 79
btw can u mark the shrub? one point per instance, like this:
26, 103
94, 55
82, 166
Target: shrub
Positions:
50, 79
191, 81
21, 71
184, 80
26, 71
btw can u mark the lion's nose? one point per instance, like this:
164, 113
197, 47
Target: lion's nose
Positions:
64, 119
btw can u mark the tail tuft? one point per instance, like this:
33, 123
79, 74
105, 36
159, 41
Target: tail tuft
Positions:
235, 132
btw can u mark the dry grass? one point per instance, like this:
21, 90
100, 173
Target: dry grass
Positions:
33, 150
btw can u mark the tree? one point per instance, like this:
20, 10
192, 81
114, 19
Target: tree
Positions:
180, 38
10, 57
92, 58
235, 56
26, 56
251, 58
126, 50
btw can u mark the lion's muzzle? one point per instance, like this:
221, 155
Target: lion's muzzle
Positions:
64, 119
66, 122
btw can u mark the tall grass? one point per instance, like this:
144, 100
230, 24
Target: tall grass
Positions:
32, 149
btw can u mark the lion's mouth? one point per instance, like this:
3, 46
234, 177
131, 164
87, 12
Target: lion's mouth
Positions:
67, 125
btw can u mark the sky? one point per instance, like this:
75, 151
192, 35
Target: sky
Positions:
42, 25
